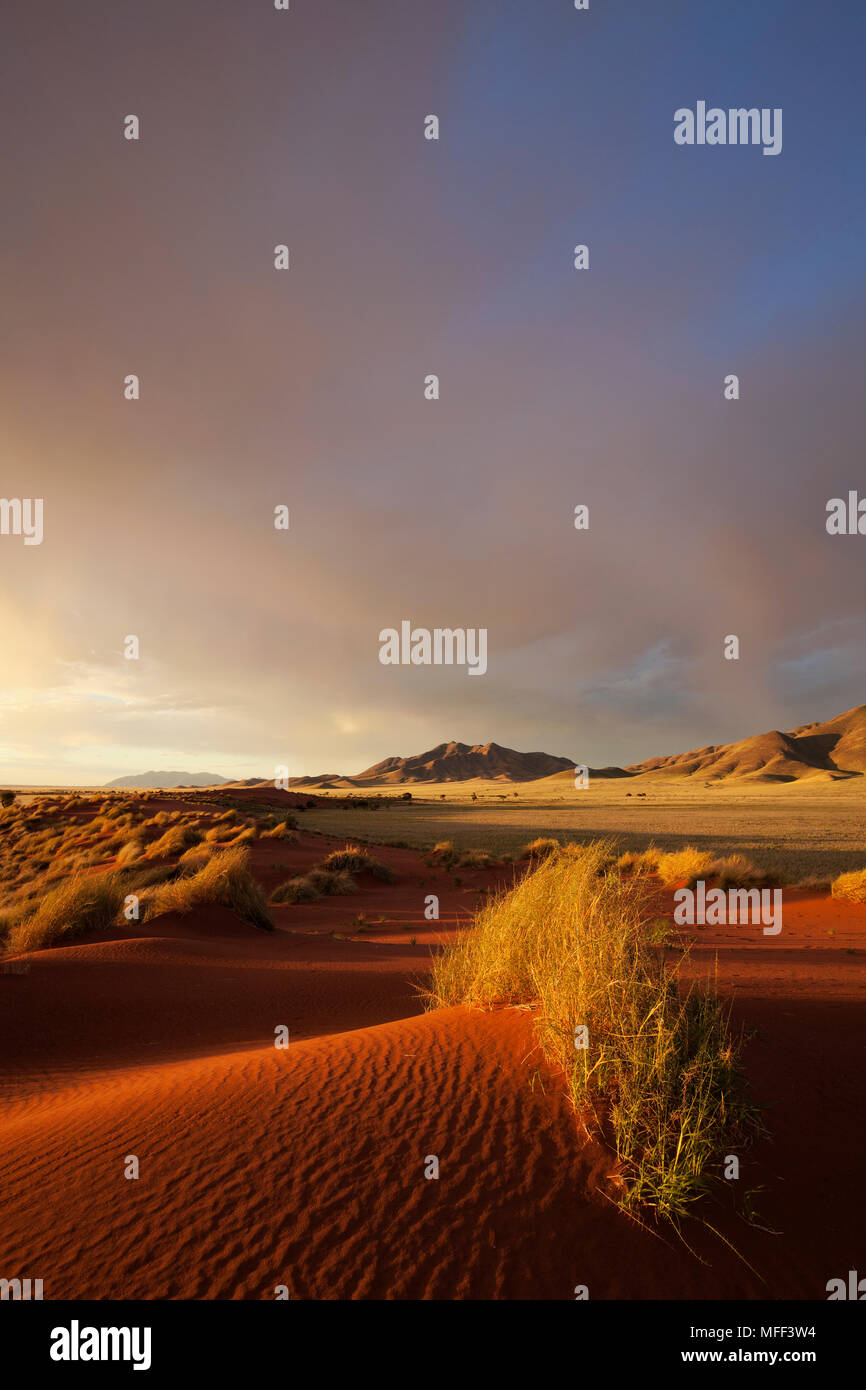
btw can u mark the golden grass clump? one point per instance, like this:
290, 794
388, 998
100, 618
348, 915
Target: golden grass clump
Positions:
688, 863
357, 861
224, 881
195, 858
539, 849
628, 862
281, 831
175, 840
81, 903
442, 852
851, 886
133, 849
735, 871
659, 1076
475, 859
318, 883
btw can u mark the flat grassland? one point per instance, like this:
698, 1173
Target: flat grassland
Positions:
797, 830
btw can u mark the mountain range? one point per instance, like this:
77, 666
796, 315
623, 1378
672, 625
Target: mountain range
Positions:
169, 779
830, 751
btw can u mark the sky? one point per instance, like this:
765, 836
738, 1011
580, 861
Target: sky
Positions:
604, 387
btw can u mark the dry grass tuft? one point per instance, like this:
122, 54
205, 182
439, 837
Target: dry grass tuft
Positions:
442, 853
539, 849
851, 887
82, 903
660, 1074
735, 871
475, 859
225, 880
133, 849
175, 840
318, 883
282, 831
357, 861
688, 864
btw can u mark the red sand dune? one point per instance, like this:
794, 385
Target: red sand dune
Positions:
305, 1167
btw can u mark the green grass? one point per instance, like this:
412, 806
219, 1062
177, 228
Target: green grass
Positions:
660, 1078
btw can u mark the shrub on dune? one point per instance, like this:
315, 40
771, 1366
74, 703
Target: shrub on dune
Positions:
735, 871
358, 861
133, 849
628, 862
352, 857
282, 831
224, 881
539, 849
318, 883
112, 844
443, 853
142, 876
10, 917
195, 858
475, 859
82, 903
295, 890
851, 886
688, 864
660, 1072
332, 882
648, 860
175, 840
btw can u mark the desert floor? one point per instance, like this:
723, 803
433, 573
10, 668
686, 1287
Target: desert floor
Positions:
804, 829
304, 1166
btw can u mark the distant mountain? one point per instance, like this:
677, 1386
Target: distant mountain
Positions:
831, 751
169, 779
450, 762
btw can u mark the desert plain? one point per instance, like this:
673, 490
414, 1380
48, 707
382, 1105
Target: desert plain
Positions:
238, 1094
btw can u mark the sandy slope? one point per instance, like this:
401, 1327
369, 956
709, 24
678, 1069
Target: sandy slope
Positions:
306, 1167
